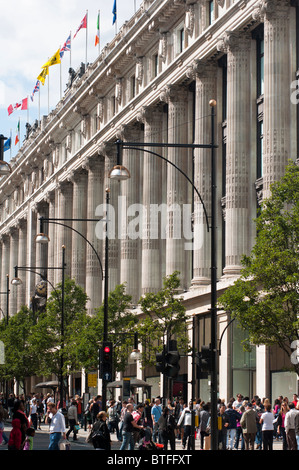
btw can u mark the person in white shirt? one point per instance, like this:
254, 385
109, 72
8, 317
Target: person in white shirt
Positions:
57, 426
267, 420
186, 419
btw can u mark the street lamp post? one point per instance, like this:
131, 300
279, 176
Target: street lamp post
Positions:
212, 228
17, 281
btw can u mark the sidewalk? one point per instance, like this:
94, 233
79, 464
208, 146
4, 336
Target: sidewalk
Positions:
41, 440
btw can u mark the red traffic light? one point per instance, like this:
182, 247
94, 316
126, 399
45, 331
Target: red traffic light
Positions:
107, 349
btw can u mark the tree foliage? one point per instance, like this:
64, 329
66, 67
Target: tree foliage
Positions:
163, 317
265, 298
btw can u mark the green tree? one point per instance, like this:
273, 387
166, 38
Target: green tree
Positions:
265, 298
121, 324
48, 340
20, 358
163, 317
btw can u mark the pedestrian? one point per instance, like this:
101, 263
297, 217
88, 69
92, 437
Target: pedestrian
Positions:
15, 441
79, 410
113, 418
290, 427
3, 416
233, 418
137, 416
156, 412
167, 427
87, 414
266, 420
56, 422
128, 426
281, 424
96, 407
204, 419
28, 444
222, 427
100, 435
10, 403
33, 413
178, 410
147, 417
19, 413
249, 427
239, 431
72, 416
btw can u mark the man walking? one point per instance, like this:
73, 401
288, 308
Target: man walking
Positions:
128, 428
156, 413
249, 425
57, 426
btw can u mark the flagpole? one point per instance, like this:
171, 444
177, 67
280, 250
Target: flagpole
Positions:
60, 77
86, 39
49, 92
99, 45
70, 49
28, 109
10, 150
39, 91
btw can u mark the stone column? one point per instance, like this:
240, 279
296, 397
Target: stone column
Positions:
95, 191
51, 230
205, 74
131, 218
13, 261
177, 258
64, 235
109, 152
41, 249
5, 269
276, 143
237, 215
31, 250
79, 180
151, 259
22, 256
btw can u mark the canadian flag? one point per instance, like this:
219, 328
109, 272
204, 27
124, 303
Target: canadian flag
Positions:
23, 105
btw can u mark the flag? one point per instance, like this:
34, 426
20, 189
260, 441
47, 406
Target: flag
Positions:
35, 89
55, 59
66, 47
43, 74
7, 144
97, 40
83, 24
24, 105
18, 133
114, 12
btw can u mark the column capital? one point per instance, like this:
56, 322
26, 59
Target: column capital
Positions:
233, 41
173, 93
266, 9
202, 68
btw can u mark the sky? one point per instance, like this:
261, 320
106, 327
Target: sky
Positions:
31, 32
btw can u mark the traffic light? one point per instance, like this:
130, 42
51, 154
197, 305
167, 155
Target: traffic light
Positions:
106, 361
172, 359
204, 359
160, 361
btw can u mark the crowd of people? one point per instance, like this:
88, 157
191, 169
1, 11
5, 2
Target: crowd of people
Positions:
243, 423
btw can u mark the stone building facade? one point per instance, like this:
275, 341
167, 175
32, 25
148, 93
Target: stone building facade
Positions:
153, 83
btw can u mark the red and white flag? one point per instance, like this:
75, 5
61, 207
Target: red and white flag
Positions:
83, 24
22, 104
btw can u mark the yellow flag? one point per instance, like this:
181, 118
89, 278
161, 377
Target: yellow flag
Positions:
55, 59
43, 74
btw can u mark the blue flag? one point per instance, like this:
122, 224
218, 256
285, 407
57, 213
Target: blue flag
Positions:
114, 12
7, 144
